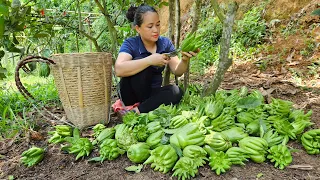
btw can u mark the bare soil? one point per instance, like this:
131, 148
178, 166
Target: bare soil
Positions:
60, 165
284, 64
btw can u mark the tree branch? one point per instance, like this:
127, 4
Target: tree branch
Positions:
195, 23
100, 33
112, 30
224, 60
218, 10
171, 19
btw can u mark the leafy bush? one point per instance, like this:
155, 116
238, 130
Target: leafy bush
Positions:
14, 107
249, 32
211, 31
250, 29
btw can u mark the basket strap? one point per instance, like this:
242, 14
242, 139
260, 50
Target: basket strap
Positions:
21, 64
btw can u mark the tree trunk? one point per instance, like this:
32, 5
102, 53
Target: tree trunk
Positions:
77, 42
218, 11
177, 28
79, 15
195, 24
224, 60
171, 37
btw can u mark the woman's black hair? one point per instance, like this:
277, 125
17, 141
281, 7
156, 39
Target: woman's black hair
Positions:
135, 14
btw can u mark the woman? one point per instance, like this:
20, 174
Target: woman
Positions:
141, 61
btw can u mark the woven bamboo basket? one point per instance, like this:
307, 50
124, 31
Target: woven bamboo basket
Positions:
84, 82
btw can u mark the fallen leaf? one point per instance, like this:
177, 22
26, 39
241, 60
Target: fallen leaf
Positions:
259, 175
34, 135
289, 58
293, 63
135, 169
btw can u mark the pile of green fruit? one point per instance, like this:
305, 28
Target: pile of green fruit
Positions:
225, 129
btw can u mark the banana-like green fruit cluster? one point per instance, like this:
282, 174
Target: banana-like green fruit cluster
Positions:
223, 122
232, 100
255, 147
178, 121
162, 158
197, 154
109, 150
237, 156
59, 134
185, 168
218, 141
187, 135
80, 146
311, 141
280, 155
140, 132
282, 125
191, 43
124, 136
139, 152
107, 133
279, 107
273, 138
154, 140
235, 134
154, 127
213, 109
219, 162
253, 128
32, 156
300, 120
97, 129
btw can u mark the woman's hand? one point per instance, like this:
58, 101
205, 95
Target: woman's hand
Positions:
186, 56
158, 59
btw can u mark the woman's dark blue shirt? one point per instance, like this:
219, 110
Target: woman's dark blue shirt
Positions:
135, 47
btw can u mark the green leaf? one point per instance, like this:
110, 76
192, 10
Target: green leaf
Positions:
135, 169
76, 133
163, 4
95, 159
170, 131
259, 175
177, 149
165, 139
1, 26
15, 41
19, 27
2, 70
1, 55
295, 150
316, 12
41, 35
46, 53
249, 103
4, 10
11, 177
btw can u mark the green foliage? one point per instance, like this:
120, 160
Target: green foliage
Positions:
249, 32
251, 28
14, 107
316, 12
211, 32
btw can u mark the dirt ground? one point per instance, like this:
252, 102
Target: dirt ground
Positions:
278, 80
59, 165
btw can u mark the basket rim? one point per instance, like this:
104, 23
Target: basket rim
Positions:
61, 54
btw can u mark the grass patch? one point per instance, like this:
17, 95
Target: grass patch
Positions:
14, 107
